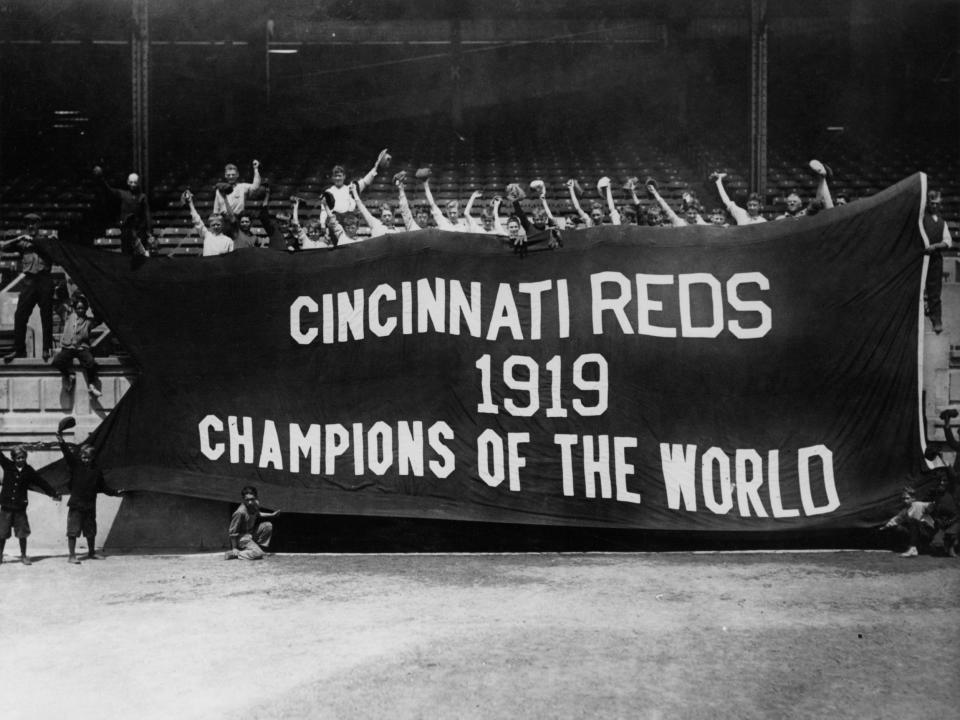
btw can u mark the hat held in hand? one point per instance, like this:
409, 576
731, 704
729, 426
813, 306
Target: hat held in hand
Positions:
423, 173
650, 183
66, 423
384, 159
400, 177
602, 184
515, 192
539, 187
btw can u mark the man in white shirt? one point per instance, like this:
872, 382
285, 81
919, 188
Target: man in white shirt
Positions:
233, 192
215, 242
743, 217
343, 201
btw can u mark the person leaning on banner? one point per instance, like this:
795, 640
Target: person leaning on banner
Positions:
86, 482
915, 520
249, 534
938, 235
18, 477
36, 289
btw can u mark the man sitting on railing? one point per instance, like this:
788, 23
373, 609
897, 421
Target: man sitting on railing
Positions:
36, 289
75, 343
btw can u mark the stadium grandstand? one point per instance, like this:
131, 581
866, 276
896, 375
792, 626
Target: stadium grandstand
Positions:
484, 93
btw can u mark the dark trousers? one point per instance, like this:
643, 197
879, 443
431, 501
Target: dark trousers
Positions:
132, 236
63, 361
36, 290
934, 287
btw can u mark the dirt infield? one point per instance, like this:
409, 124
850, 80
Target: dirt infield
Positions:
853, 634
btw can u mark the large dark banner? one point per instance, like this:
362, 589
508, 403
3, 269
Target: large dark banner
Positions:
758, 378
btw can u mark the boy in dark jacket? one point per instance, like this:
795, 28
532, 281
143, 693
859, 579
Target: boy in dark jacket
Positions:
18, 477
86, 481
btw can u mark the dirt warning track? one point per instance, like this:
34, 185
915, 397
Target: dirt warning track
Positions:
744, 635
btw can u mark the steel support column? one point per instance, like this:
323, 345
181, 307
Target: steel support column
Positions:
140, 72
758, 97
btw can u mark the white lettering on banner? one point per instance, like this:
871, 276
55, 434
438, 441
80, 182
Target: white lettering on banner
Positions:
528, 382
617, 304
440, 305
494, 464
296, 313
596, 462
211, 450
372, 447
679, 463
270, 454
307, 444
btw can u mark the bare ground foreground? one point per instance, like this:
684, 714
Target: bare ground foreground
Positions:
674, 635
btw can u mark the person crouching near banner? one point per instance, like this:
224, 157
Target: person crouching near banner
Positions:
86, 482
249, 534
18, 477
915, 520
75, 343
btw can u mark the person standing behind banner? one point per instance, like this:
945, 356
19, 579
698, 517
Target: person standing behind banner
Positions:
249, 535
135, 224
741, 216
36, 289
233, 193
938, 237
215, 242
342, 200
18, 477
86, 482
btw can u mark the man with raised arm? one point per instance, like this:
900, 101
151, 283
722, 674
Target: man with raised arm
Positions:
742, 217
135, 224
18, 477
36, 289
603, 188
595, 217
86, 482
449, 219
343, 201
215, 242
233, 193
377, 225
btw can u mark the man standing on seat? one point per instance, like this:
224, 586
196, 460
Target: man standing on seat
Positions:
135, 225
249, 535
36, 289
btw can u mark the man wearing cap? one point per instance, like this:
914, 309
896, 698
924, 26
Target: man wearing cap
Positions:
135, 224
938, 239
36, 289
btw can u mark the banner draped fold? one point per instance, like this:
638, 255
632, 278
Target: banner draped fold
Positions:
762, 378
